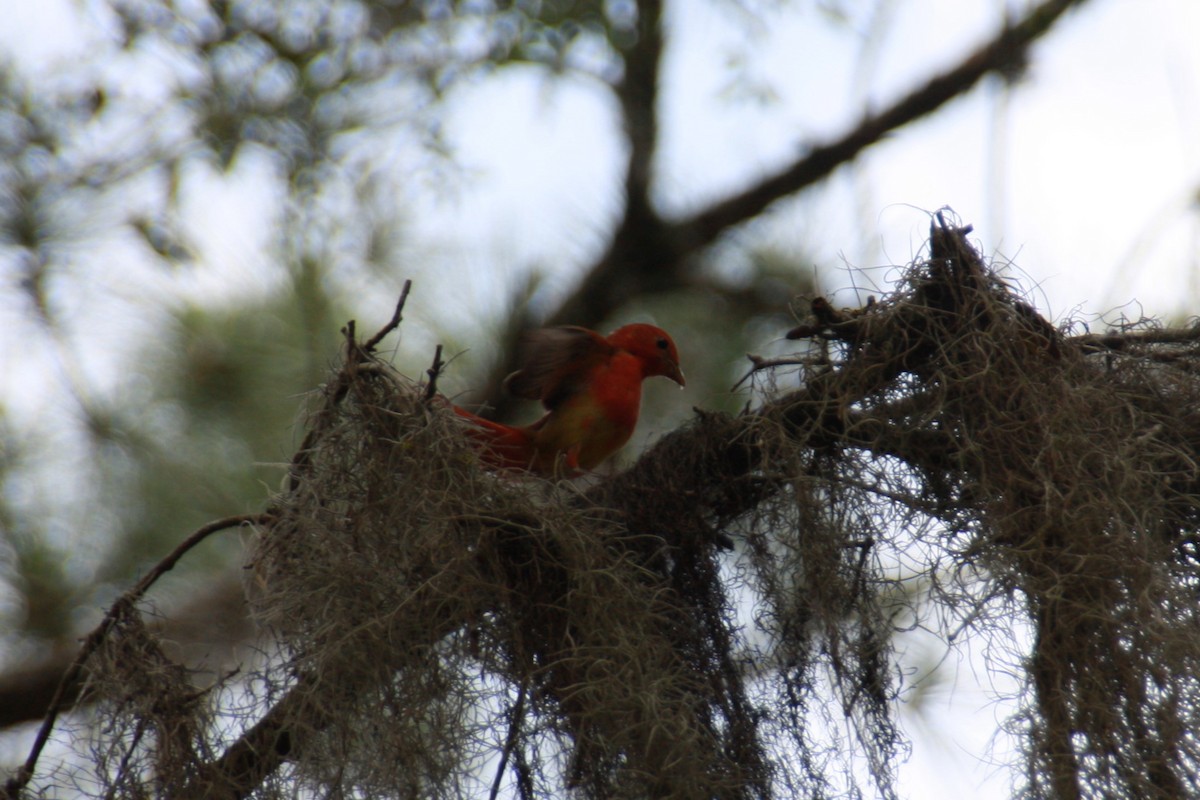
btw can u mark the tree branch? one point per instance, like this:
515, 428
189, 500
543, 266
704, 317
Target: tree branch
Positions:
393, 323
261, 749
207, 622
1004, 54
642, 256
17, 783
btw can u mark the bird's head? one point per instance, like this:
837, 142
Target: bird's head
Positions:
653, 346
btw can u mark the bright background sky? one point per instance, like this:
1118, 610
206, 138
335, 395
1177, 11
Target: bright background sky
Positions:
1086, 178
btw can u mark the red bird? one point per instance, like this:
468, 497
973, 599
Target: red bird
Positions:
591, 386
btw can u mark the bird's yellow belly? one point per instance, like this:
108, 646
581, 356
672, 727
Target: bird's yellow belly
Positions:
586, 433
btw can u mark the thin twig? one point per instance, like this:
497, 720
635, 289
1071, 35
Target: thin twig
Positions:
760, 363
355, 356
14, 786
394, 323
515, 715
1118, 340
433, 372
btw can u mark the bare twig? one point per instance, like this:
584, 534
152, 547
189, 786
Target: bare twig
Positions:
1119, 340
759, 364
433, 372
369, 346
515, 716
355, 357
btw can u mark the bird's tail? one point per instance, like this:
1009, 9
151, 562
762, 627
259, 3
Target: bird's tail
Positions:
500, 446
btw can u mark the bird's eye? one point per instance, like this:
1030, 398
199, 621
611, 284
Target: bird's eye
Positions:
662, 343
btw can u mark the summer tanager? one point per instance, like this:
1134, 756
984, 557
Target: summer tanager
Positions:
591, 386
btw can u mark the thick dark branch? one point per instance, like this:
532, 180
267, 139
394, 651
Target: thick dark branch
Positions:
260, 750
638, 94
208, 621
642, 257
27, 690
1004, 53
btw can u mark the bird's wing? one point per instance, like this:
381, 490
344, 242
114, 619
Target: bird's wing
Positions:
557, 363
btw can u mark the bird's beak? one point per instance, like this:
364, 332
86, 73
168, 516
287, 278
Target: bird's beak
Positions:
676, 374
